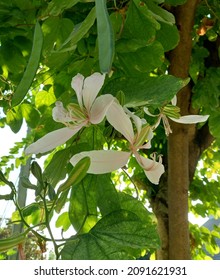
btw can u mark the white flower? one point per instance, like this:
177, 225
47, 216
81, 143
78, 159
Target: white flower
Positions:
91, 109
108, 161
171, 111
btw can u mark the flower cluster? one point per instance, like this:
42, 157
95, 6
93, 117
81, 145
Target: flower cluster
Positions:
92, 110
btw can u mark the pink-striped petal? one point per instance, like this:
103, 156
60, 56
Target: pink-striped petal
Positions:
117, 117
77, 85
91, 88
103, 161
51, 140
152, 169
100, 107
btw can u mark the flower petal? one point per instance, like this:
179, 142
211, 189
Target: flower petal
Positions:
100, 107
77, 85
138, 121
191, 119
174, 100
117, 117
60, 114
146, 111
91, 88
102, 161
149, 138
152, 169
51, 140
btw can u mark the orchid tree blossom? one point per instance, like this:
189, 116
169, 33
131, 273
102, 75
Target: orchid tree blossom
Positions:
109, 160
172, 112
89, 110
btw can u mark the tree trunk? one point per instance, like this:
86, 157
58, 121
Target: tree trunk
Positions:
178, 142
185, 146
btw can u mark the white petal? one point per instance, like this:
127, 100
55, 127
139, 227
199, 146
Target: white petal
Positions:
138, 122
103, 161
77, 85
148, 144
191, 119
146, 111
174, 101
60, 114
100, 107
51, 140
117, 117
152, 169
91, 88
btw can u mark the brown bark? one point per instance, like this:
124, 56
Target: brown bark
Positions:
185, 146
178, 142
159, 205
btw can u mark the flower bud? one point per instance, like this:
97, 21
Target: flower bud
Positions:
171, 111
143, 136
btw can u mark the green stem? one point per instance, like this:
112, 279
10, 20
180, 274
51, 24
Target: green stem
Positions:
132, 181
47, 223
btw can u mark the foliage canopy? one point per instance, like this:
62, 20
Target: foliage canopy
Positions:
43, 45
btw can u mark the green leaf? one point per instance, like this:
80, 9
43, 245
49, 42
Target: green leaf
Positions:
197, 66
29, 209
168, 36
79, 31
148, 91
30, 114
206, 91
206, 95
200, 209
214, 124
62, 199
11, 58
119, 235
31, 68
144, 59
36, 217
25, 182
51, 192
76, 175
105, 36
56, 30
56, 170
14, 119
83, 205
37, 172
135, 206
138, 18
107, 196
213, 249
159, 13
175, 2
4, 179
45, 98
56, 7
63, 221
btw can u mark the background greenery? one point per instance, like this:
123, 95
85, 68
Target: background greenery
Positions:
43, 44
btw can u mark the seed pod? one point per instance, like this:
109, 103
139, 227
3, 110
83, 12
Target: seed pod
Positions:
105, 36
8, 243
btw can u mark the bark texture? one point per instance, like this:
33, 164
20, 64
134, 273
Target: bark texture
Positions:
178, 142
185, 146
